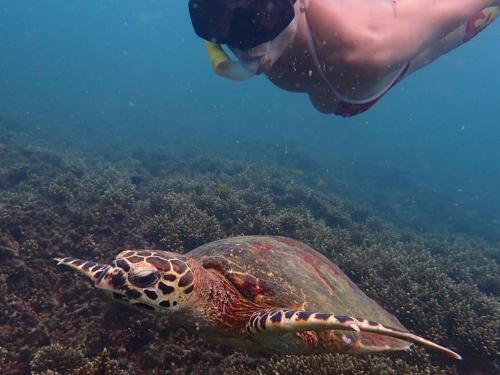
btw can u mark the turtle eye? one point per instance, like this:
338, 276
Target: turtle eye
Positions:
143, 278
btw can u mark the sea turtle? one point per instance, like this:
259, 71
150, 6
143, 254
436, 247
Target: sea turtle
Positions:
271, 294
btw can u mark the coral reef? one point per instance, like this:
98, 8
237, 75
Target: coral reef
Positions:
57, 359
54, 204
339, 364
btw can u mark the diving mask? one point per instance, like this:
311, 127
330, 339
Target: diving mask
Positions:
241, 24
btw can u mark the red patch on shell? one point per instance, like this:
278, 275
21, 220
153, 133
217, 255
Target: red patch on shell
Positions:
252, 287
261, 250
290, 242
262, 246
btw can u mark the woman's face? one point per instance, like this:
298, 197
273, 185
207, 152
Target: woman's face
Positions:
261, 58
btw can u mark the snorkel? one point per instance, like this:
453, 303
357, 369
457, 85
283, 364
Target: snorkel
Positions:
224, 66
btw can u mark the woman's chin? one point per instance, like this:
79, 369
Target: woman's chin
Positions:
266, 64
251, 65
257, 65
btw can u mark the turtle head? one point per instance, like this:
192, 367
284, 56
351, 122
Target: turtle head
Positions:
152, 280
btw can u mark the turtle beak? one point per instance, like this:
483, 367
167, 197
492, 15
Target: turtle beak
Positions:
94, 271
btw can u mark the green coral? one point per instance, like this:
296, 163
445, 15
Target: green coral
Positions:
102, 365
439, 286
3, 356
57, 359
177, 224
326, 364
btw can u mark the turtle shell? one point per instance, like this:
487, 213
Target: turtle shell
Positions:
284, 273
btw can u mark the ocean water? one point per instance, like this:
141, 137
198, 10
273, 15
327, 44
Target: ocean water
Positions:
110, 79
122, 67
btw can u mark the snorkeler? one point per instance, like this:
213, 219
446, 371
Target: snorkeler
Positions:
345, 54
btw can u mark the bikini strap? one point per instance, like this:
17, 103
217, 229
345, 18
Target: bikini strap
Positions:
314, 55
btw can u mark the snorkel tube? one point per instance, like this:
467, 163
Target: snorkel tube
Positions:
224, 66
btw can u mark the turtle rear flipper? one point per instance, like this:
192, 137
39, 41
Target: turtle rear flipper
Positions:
275, 321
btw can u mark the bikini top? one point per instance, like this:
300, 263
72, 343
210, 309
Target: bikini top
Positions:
349, 107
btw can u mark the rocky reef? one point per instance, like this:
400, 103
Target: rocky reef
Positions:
53, 203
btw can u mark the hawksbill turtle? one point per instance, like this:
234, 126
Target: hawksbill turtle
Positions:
271, 294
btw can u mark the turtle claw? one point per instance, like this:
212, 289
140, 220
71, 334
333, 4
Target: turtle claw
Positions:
355, 327
59, 261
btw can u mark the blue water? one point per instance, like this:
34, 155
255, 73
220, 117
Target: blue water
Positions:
93, 76
118, 68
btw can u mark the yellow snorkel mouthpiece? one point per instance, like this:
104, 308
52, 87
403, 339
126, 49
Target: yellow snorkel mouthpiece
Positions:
224, 66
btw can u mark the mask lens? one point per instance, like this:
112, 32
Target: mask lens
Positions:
241, 24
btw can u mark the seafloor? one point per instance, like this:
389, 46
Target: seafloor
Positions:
91, 205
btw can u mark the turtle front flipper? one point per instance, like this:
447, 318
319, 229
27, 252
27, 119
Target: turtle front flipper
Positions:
275, 321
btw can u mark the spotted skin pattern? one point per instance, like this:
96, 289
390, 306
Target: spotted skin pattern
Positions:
285, 320
145, 279
174, 285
